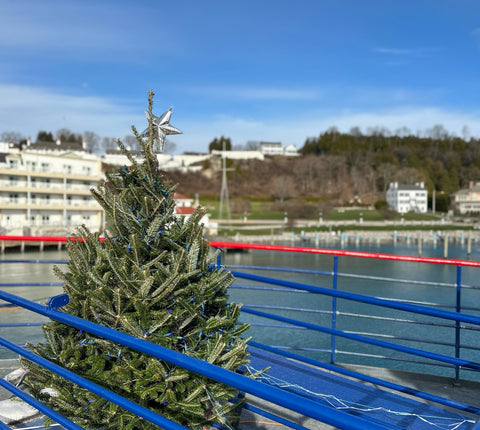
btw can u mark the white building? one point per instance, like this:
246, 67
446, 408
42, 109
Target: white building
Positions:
184, 207
239, 155
45, 189
467, 200
276, 148
183, 163
407, 198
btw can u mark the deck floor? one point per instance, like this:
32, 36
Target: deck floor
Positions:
465, 391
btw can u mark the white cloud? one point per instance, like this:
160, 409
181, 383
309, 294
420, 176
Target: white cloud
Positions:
476, 35
28, 110
394, 51
406, 52
295, 130
256, 93
81, 30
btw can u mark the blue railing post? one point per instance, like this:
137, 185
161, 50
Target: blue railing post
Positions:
458, 307
334, 308
219, 260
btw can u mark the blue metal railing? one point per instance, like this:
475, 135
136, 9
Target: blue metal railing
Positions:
424, 308
453, 320
288, 400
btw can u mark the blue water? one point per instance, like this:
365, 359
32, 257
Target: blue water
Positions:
315, 308
441, 289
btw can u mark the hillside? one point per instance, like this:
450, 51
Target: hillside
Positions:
347, 168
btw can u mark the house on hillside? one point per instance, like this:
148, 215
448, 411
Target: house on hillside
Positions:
467, 200
184, 207
407, 198
276, 148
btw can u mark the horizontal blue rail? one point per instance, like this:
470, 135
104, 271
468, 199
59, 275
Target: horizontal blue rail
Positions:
364, 339
363, 299
455, 321
288, 400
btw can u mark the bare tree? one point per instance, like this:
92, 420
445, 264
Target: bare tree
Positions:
108, 143
438, 131
11, 136
306, 172
131, 142
92, 141
253, 145
170, 147
355, 132
403, 132
282, 188
385, 172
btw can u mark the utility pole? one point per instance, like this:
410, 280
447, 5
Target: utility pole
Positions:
224, 190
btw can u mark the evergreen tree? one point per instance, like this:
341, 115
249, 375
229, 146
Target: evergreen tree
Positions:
149, 278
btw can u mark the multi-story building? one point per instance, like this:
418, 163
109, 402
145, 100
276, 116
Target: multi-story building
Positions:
45, 188
467, 200
407, 198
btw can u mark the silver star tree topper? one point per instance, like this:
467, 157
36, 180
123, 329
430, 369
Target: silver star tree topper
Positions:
161, 128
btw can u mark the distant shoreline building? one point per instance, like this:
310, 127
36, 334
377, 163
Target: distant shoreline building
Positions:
45, 188
407, 198
467, 200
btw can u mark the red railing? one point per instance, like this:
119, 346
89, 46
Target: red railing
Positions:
345, 253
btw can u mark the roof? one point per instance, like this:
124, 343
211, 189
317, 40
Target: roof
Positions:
178, 196
184, 210
271, 144
53, 146
411, 187
467, 191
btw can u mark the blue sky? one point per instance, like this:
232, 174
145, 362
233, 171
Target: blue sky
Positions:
250, 70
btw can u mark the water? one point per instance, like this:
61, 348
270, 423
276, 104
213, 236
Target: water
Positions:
314, 308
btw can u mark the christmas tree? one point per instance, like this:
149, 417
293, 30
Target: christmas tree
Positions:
148, 277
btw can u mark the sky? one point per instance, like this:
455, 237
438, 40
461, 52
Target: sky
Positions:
263, 70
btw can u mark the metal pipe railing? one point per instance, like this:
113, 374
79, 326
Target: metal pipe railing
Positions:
285, 399
458, 318
421, 307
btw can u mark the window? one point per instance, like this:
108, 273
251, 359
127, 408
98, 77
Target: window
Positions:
13, 198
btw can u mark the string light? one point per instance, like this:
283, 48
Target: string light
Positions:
342, 404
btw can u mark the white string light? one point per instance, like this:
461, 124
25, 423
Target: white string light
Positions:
341, 404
